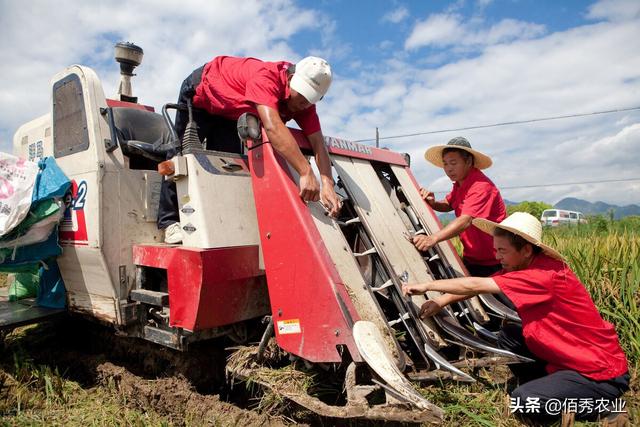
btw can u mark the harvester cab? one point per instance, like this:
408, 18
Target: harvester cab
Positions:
329, 289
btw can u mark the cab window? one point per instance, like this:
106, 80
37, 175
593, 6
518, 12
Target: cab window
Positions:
70, 133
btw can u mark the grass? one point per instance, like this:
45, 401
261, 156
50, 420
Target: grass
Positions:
40, 395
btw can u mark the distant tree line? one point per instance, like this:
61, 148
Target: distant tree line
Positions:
534, 208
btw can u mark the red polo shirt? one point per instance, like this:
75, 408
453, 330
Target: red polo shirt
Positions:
477, 197
232, 86
561, 324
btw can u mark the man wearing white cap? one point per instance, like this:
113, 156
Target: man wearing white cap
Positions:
577, 352
225, 88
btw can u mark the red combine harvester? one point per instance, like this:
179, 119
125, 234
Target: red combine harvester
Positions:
328, 289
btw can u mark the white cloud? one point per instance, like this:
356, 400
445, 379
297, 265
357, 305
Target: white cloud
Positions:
449, 29
438, 30
396, 16
588, 68
41, 38
385, 44
481, 4
615, 10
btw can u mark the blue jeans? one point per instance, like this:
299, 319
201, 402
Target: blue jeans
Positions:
219, 134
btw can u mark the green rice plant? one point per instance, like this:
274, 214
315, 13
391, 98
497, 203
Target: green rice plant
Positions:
608, 263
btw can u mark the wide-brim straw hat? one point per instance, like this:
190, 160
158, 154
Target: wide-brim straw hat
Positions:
524, 225
434, 154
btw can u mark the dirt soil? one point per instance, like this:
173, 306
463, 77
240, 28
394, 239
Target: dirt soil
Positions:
145, 378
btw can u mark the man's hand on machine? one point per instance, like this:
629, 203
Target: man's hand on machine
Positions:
414, 288
427, 196
309, 187
330, 199
430, 307
424, 243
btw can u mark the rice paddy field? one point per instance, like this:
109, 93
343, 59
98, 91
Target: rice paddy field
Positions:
42, 382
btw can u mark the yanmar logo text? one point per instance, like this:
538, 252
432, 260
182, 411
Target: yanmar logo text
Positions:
347, 145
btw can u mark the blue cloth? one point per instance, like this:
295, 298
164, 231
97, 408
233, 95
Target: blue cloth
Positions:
51, 292
30, 254
51, 181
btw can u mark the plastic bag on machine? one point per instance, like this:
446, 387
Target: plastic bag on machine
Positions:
17, 179
39, 231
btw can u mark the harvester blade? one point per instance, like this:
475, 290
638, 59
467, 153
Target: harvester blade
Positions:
429, 350
369, 342
485, 332
385, 285
441, 362
448, 323
499, 308
366, 253
355, 220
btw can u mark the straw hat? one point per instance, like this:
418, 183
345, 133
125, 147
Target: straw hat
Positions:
524, 225
434, 154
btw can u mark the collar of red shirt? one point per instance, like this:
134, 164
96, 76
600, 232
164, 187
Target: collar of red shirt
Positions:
471, 177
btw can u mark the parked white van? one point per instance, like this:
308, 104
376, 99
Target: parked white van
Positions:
555, 217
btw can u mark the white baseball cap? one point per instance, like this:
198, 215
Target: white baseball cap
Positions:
312, 78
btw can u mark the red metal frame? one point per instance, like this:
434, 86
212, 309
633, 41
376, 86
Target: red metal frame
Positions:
347, 148
115, 103
208, 287
312, 311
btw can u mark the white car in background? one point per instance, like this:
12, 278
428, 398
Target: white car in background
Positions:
555, 217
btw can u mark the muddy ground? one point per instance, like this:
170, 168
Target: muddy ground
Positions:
140, 376
71, 371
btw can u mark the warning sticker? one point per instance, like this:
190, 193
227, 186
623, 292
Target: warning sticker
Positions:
290, 326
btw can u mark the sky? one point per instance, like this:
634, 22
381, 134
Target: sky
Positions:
405, 67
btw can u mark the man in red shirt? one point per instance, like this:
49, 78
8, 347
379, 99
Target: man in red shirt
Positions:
578, 353
473, 196
225, 88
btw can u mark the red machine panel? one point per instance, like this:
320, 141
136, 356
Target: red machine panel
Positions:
348, 148
115, 103
208, 287
312, 311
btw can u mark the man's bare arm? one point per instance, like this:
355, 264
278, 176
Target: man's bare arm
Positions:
452, 229
327, 194
467, 286
285, 144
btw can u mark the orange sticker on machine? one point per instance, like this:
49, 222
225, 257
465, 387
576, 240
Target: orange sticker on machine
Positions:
289, 326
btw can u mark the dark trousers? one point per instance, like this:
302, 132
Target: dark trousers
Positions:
544, 390
218, 133
476, 270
